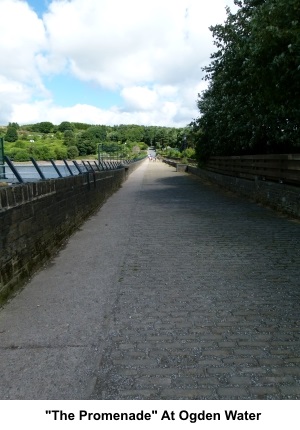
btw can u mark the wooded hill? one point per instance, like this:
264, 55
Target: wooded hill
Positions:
45, 140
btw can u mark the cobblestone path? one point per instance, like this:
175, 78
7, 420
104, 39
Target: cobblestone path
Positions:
208, 299
172, 290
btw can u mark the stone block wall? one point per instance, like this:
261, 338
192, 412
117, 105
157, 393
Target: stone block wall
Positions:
36, 218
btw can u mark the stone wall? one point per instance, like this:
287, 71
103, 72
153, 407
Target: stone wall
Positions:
281, 197
36, 218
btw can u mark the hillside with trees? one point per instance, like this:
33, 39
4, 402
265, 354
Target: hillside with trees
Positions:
251, 105
68, 140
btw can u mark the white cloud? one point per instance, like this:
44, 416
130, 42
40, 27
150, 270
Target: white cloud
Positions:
118, 43
33, 112
151, 52
22, 37
14, 90
139, 98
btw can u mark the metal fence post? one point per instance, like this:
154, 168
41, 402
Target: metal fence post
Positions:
2, 161
37, 168
68, 167
13, 169
56, 168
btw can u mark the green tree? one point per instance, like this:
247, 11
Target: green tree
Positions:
65, 125
85, 144
252, 101
88, 140
133, 133
81, 125
14, 124
96, 133
69, 138
113, 136
72, 152
45, 127
11, 133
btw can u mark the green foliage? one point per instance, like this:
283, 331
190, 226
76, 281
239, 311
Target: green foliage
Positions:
72, 152
65, 125
60, 151
45, 140
18, 154
85, 145
88, 140
69, 138
42, 151
14, 124
58, 135
23, 136
11, 133
43, 127
189, 153
131, 133
20, 144
80, 125
172, 153
252, 102
142, 146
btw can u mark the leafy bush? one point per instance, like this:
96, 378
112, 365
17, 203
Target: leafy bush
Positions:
60, 152
143, 146
19, 154
42, 151
72, 152
173, 153
189, 153
21, 144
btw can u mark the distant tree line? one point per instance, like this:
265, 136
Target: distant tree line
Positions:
150, 135
45, 140
251, 105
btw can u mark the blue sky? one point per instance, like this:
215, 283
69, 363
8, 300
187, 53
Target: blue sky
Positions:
39, 6
105, 61
68, 91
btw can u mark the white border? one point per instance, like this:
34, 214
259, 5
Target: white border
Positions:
32, 414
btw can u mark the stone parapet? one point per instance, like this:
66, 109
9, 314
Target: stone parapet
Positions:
281, 197
36, 218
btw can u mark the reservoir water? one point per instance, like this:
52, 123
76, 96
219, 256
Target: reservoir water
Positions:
28, 172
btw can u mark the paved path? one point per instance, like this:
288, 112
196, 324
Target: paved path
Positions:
173, 290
